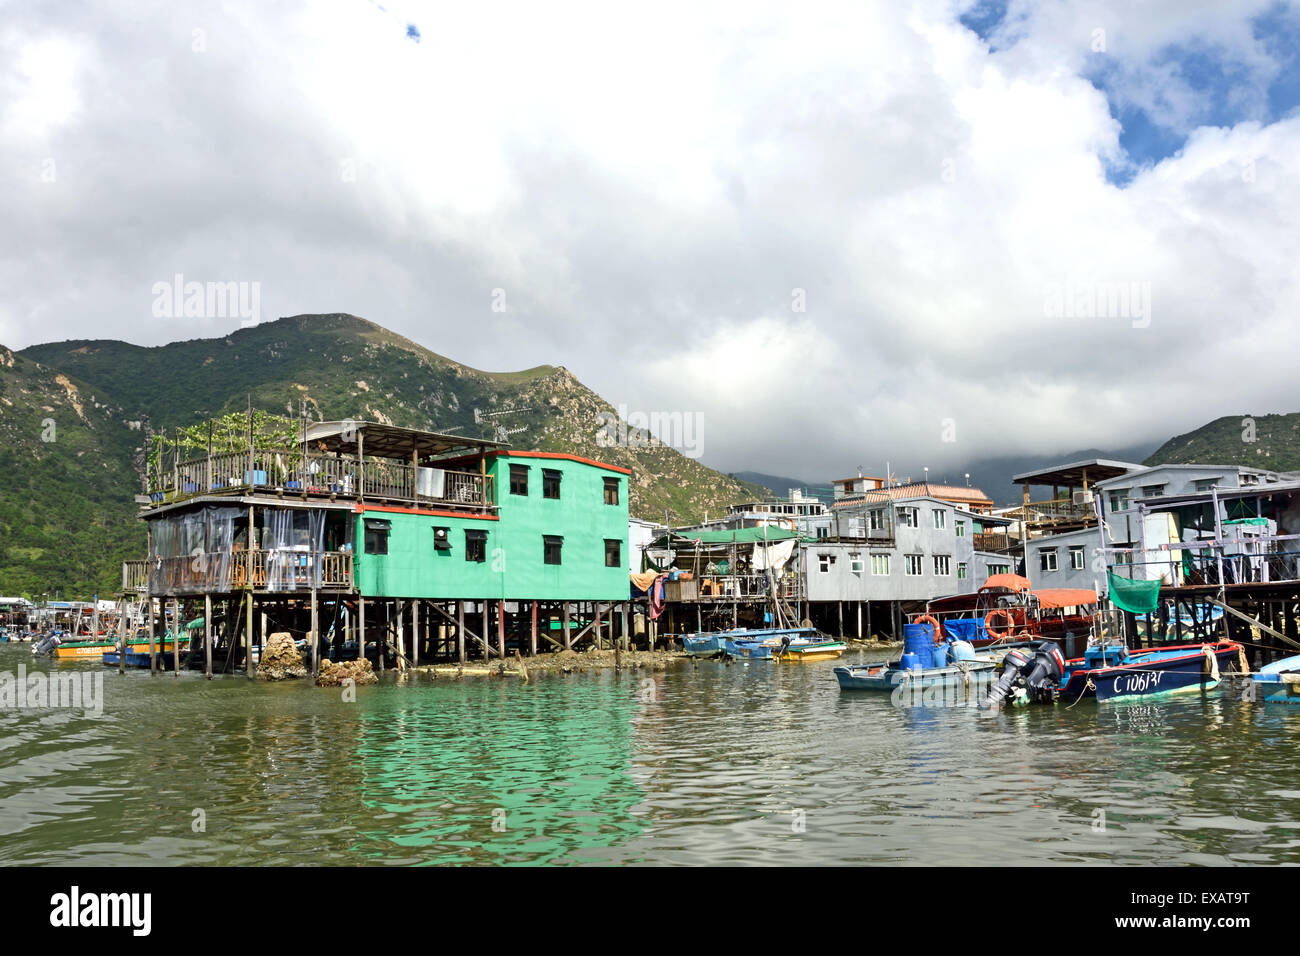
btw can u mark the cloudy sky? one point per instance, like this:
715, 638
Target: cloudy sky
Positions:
841, 233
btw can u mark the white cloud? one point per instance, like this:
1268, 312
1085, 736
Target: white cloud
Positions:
649, 189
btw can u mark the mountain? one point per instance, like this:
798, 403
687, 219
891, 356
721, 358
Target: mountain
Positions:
107, 396
780, 487
1261, 441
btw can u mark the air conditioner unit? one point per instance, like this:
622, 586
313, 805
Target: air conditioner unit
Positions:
1082, 497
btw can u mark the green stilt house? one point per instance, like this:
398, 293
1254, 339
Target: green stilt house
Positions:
407, 546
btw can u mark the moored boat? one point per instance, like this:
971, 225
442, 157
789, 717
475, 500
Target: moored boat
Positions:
1040, 674
1276, 683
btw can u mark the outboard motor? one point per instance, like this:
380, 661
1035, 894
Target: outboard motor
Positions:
47, 644
1024, 676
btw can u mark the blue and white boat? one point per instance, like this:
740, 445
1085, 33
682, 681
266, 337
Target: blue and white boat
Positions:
766, 642
708, 644
1039, 674
1276, 683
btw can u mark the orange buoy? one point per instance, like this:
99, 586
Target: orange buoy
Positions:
1005, 614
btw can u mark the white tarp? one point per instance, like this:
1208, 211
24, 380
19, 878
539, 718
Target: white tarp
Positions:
773, 556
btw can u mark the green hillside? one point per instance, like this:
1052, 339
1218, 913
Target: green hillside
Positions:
67, 518
1226, 440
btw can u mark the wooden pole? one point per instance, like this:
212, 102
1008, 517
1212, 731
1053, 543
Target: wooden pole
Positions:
401, 637
487, 625
122, 631
568, 638
627, 635
501, 628
176, 644
532, 641
415, 632
361, 631
207, 636
153, 647
248, 635
315, 635
460, 630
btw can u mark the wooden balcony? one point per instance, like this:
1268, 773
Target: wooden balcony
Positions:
993, 541
288, 473
1057, 514
269, 572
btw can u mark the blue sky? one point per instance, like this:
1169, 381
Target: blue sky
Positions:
1225, 90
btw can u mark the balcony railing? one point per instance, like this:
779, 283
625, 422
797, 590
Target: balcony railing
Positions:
1056, 511
287, 472
993, 541
223, 571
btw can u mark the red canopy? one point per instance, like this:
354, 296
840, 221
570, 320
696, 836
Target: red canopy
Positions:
1012, 582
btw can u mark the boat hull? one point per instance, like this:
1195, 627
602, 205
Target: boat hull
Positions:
1151, 673
887, 677
817, 651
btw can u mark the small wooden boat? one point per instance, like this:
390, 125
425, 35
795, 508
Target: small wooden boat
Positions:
827, 649
138, 659
765, 644
82, 650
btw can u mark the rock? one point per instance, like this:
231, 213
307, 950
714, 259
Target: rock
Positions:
333, 675
281, 660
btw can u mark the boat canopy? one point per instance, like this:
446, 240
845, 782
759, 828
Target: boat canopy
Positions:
1012, 582
1065, 597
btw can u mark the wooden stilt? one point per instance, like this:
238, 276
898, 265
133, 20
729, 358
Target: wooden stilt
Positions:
176, 644
532, 640
568, 636
460, 630
401, 636
153, 646
123, 632
627, 635
315, 635
248, 637
361, 630
501, 628
415, 632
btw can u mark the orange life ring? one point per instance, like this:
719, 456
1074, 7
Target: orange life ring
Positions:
935, 627
988, 625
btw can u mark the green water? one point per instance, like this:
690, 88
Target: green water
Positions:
756, 764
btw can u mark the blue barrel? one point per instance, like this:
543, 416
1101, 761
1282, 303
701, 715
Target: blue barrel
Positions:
939, 656
910, 662
918, 639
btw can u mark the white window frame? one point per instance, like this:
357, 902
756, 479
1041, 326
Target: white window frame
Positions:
943, 565
960, 529
880, 565
1044, 554
961, 570
911, 561
940, 518
1077, 552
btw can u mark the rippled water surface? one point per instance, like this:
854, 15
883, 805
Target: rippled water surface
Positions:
722, 764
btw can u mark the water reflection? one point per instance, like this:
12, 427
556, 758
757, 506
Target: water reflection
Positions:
701, 764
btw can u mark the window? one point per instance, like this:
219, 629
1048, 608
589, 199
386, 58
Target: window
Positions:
441, 539
611, 491
1205, 484
1152, 491
613, 553
961, 570
824, 562
1047, 559
377, 536
1119, 500
877, 519
909, 517
856, 565
1076, 557
999, 569
942, 565
912, 565
880, 564
960, 529
550, 483
476, 546
823, 532
1247, 478
519, 479
551, 544
940, 518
